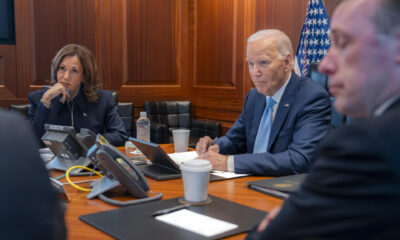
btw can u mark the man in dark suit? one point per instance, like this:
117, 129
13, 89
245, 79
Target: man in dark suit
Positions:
283, 142
29, 206
353, 189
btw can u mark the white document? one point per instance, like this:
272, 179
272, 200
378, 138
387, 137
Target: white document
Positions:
197, 223
180, 157
227, 174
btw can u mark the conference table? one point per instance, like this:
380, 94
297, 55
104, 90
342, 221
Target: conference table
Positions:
234, 190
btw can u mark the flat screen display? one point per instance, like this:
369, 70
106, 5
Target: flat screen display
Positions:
7, 28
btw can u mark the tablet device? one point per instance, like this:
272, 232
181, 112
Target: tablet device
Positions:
162, 167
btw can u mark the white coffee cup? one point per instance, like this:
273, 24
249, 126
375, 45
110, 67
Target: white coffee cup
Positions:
181, 139
196, 175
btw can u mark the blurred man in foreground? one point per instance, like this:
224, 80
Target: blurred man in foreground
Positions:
29, 206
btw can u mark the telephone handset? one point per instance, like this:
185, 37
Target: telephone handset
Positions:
118, 170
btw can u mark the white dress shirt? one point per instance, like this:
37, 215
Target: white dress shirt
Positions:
277, 98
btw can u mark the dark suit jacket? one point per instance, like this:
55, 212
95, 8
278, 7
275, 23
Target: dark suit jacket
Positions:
301, 121
29, 208
100, 117
352, 190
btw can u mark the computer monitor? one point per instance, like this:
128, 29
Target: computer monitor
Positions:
69, 148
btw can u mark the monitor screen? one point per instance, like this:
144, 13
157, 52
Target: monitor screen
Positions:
7, 26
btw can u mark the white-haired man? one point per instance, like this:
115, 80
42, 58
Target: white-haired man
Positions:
282, 120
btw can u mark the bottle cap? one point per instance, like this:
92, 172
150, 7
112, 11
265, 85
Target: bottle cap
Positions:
143, 114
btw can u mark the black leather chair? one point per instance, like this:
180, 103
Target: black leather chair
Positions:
337, 119
168, 115
21, 108
126, 110
126, 113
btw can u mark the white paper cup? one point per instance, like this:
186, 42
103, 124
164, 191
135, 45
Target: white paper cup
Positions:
196, 175
181, 139
129, 148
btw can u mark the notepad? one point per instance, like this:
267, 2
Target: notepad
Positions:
197, 223
228, 175
179, 158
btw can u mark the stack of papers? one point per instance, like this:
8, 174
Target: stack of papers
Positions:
181, 157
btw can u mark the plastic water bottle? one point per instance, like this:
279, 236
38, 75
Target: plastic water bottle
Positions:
143, 127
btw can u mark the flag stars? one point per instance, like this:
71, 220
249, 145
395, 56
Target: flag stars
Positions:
314, 42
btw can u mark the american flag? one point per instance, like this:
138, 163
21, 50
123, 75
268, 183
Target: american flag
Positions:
314, 40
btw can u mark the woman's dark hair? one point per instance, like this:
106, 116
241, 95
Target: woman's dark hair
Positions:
90, 79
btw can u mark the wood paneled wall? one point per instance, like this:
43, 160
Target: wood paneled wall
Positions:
149, 50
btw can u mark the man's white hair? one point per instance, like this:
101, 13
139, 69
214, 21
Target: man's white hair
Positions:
283, 43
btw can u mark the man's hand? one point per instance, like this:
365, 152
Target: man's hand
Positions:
203, 144
268, 218
218, 161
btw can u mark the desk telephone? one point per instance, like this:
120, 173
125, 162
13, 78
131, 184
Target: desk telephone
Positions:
118, 170
69, 147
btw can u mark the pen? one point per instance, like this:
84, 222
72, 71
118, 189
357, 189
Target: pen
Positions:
169, 210
213, 142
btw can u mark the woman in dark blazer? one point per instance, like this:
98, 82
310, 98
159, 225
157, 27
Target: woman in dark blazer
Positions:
75, 99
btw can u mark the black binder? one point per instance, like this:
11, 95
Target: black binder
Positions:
280, 187
137, 222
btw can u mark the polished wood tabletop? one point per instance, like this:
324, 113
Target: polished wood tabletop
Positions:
234, 190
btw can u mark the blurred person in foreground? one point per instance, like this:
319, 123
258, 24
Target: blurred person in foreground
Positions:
74, 98
353, 188
30, 208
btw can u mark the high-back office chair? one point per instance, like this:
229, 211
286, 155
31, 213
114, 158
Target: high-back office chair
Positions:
168, 115
337, 119
21, 108
126, 113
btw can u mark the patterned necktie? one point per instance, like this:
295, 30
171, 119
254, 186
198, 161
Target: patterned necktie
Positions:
264, 129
